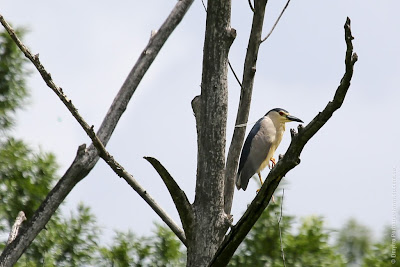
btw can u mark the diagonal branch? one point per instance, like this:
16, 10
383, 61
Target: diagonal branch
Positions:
46, 77
178, 195
288, 162
103, 153
244, 104
86, 158
143, 63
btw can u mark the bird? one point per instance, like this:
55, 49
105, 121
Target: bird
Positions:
260, 145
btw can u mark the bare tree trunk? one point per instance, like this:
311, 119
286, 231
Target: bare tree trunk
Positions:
210, 222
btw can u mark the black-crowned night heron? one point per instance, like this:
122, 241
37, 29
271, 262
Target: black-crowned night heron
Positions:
260, 145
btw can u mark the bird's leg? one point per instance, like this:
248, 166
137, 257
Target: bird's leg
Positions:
273, 163
259, 176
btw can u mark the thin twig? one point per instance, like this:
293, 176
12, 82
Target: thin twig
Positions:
234, 74
251, 6
280, 230
205, 8
15, 228
104, 154
276, 22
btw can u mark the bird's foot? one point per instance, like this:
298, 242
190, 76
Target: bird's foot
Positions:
273, 163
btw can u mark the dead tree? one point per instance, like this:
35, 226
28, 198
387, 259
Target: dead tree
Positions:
205, 222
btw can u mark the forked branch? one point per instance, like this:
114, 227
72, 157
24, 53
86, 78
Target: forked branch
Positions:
288, 162
276, 22
244, 104
104, 154
87, 157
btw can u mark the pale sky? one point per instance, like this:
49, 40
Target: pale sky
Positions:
89, 47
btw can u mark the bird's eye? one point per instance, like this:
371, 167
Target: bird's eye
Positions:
281, 113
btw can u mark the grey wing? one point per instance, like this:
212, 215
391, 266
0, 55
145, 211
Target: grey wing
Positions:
258, 153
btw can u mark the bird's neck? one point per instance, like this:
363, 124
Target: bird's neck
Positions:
280, 127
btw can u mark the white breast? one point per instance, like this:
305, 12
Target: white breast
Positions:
272, 135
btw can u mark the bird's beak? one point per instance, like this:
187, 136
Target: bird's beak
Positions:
293, 118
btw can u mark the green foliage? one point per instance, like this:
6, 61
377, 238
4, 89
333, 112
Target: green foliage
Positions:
126, 250
262, 245
167, 248
309, 247
12, 79
26, 178
380, 255
65, 241
161, 249
353, 241
383, 253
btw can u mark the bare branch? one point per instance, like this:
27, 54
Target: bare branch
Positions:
87, 158
178, 195
146, 197
234, 74
143, 63
204, 5
15, 228
104, 154
251, 5
244, 104
288, 162
276, 22
47, 77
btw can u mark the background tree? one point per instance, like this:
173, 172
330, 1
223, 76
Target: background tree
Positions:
160, 249
12, 79
26, 177
384, 252
262, 245
353, 241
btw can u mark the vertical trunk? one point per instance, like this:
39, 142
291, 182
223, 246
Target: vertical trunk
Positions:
245, 100
210, 222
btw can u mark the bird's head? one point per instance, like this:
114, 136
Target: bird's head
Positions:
281, 116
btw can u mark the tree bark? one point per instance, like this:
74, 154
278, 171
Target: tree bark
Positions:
210, 222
